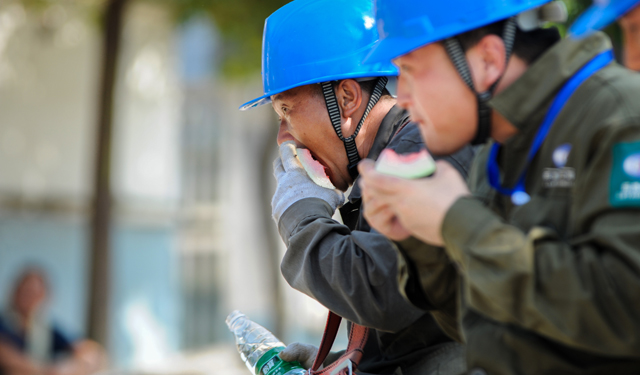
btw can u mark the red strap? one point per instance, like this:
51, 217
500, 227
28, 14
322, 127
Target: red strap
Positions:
357, 339
328, 337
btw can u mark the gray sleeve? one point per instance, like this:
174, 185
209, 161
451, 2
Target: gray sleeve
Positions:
352, 273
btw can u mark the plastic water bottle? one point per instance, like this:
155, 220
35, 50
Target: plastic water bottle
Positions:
259, 348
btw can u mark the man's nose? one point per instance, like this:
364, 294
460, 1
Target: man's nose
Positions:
283, 134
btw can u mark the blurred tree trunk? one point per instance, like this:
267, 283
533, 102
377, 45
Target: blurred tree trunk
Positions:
99, 288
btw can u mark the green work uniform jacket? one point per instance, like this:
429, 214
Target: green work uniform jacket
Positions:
552, 286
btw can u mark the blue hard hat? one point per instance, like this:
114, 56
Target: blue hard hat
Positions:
405, 25
600, 15
313, 41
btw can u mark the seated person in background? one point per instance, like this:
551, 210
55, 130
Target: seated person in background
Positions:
29, 344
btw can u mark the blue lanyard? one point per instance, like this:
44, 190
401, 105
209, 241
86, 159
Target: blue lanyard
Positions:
518, 194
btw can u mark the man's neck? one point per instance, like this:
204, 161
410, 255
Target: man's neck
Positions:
501, 128
369, 130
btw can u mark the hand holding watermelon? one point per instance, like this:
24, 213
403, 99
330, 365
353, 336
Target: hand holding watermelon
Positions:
399, 207
295, 184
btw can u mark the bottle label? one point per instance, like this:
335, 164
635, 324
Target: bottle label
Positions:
271, 364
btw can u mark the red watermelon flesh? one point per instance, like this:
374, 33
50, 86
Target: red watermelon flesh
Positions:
415, 165
314, 169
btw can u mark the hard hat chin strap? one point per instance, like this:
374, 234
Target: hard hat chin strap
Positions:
459, 59
334, 114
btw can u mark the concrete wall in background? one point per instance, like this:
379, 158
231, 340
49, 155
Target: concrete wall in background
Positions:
49, 63
191, 222
48, 70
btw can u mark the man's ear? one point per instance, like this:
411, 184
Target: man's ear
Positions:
349, 96
488, 61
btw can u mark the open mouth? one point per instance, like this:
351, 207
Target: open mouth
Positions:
314, 167
326, 170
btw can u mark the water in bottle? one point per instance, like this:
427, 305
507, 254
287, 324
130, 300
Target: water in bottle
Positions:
259, 348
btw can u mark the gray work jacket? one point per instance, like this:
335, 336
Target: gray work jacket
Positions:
352, 270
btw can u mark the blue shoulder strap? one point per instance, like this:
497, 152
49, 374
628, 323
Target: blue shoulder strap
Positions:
518, 194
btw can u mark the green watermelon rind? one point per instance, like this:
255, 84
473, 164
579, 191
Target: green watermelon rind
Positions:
422, 168
407, 174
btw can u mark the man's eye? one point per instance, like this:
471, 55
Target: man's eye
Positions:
284, 109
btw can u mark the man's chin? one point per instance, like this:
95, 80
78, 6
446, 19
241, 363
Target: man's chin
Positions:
442, 148
340, 185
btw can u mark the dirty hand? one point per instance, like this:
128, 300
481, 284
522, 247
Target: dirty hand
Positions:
294, 184
303, 353
398, 207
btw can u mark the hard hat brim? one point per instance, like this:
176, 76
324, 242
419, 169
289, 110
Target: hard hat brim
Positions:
266, 98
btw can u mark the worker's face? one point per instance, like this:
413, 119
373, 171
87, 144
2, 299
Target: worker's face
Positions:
30, 294
443, 106
304, 119
630, 25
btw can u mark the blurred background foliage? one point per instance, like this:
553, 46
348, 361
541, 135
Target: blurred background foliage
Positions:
241, 22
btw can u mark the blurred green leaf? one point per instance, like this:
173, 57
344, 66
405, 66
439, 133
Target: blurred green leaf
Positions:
240, 23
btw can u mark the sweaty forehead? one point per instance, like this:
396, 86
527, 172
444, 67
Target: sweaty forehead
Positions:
420, 52
296, 94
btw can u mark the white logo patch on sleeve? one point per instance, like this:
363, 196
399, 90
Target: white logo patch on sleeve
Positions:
560, 177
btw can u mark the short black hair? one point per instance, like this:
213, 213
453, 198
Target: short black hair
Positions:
369, 86
365, 86
528, 45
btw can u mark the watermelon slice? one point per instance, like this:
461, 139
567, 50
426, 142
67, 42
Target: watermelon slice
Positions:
416, 165
314, 169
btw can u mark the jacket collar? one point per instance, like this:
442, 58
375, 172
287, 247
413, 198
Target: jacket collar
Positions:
388, 128
525, 102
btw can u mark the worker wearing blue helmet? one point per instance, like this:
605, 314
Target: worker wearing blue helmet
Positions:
605, 12
600, 15
630, 25
545, 236
337, 109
